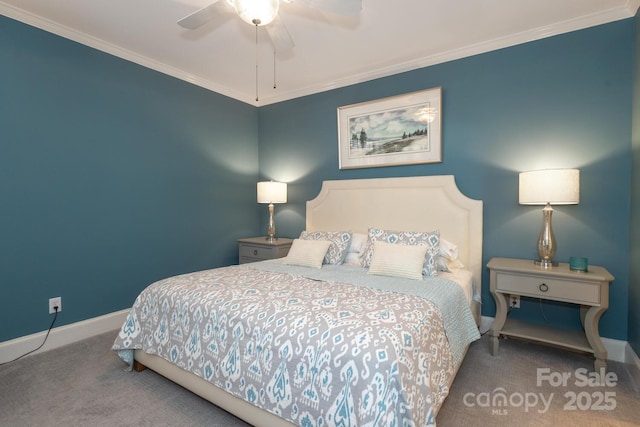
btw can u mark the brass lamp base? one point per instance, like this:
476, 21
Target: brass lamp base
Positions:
271, 227
546, 263
546, 241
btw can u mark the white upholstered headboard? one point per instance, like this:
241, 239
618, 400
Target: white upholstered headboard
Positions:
421, 203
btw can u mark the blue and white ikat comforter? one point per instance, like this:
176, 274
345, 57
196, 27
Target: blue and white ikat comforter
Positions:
328, 347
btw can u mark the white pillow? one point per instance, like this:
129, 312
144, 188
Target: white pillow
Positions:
397, 260
307, 253
358, 243
447, 259
352, 258
448, 250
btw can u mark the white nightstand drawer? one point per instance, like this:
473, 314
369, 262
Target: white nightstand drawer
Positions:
256, 252
255, 249
549, 288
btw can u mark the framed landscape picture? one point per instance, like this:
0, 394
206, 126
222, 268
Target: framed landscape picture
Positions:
399, 130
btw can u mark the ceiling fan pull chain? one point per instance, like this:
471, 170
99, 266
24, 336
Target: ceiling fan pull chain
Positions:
274, 69
257, 99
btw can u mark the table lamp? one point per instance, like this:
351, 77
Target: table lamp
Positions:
272, 192
549, 187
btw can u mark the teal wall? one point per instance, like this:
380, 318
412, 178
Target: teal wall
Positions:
111, 176
560, 102
634, 274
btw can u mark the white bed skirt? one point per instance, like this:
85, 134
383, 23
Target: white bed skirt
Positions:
234, 405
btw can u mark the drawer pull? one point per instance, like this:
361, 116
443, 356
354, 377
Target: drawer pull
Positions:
255, 252
543, 287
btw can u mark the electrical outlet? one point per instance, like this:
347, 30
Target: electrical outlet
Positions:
55, 302
514, 301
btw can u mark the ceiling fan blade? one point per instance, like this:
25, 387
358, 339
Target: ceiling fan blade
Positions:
279, 35
341, 7
202, 16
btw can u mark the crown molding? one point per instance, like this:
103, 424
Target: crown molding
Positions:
128, 55
384, 70
563, 27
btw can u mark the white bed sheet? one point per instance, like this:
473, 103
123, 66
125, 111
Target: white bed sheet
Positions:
464, 278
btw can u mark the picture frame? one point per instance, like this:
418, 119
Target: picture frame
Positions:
399, 130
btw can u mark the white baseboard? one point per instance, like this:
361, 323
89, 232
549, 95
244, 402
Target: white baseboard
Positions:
485, 324
62, 335
617, 350
634, 367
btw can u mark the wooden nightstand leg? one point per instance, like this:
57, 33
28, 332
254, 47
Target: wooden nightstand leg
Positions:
495, 342
590, 322
498, 322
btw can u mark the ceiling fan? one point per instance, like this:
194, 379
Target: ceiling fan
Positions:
265, 13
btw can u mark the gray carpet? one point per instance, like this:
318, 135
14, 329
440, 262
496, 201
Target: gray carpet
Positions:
84, 384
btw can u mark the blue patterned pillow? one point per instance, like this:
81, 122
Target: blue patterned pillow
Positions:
431, 239
340, 241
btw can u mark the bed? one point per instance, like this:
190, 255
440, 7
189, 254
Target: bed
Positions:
281, 343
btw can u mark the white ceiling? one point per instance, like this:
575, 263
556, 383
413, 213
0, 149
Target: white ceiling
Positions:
330, 50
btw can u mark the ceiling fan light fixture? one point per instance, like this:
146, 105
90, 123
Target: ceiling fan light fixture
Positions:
256, 12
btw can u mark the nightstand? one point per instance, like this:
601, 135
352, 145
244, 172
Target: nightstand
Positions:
259, 249
589, 290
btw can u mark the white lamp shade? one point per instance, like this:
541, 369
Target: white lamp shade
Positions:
272, 192
554, 186
257, 12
